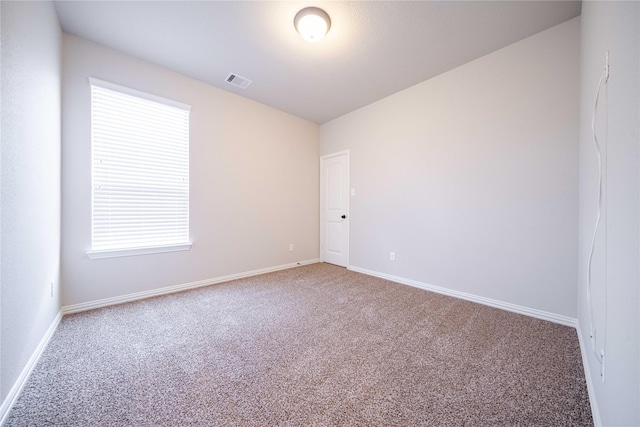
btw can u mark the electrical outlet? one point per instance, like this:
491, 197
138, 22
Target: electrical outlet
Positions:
606, 66
51, 286
602, 365
290, 247
392, 256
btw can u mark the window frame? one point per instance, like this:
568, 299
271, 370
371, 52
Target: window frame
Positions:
143, 250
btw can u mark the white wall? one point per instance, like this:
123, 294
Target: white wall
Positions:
471, 177
254, 182
612, 26
30, 194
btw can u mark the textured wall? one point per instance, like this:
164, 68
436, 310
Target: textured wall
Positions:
612, 26
30, 225
254, 182
471, 177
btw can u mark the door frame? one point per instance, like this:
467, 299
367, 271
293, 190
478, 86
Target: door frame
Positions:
348, 192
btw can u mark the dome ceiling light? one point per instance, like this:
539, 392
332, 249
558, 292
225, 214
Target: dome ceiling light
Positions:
312, 23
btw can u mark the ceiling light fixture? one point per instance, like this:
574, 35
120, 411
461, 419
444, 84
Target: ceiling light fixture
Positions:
312, 23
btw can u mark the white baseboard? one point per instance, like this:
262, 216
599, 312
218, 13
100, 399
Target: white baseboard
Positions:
532, 312
13, 394
75, 308
595, 413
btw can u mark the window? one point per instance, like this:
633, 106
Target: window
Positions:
140, 172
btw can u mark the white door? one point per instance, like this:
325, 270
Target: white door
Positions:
334, 208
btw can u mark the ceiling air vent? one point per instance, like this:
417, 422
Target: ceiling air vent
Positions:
239, 81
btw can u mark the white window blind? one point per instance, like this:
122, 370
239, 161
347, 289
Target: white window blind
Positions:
140, 169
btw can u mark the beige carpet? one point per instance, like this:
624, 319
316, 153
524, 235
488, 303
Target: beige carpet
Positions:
311, 346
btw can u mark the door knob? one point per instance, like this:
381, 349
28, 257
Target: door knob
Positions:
344, 216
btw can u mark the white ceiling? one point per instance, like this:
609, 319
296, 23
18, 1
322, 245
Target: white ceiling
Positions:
373, 49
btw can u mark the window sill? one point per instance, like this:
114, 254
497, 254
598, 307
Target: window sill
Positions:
137, 251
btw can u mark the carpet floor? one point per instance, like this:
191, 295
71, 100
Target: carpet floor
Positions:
311, 346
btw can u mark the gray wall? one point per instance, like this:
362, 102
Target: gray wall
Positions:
254, 179
471, 177
30, 224
612, 26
